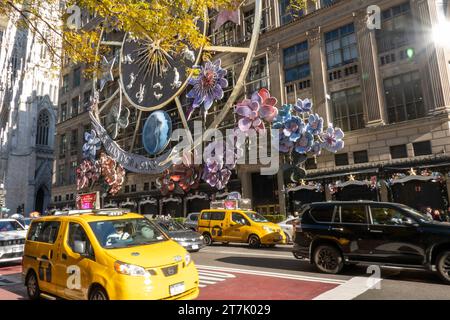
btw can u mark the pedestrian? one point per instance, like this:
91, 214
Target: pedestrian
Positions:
436, 215
429, 213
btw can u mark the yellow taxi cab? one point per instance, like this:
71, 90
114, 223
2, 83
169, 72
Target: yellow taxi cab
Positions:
238, 225
105, 254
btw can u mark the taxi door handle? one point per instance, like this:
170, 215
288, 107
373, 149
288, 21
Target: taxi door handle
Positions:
337, 229
50, 254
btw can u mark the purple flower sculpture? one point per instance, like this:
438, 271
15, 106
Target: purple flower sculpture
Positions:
304, 143
284, 114
267, 103
207, 86
332, 139
249, 111
92, 145
315, 124
215, 173
303, 106
316, 148
294, 128
285, 145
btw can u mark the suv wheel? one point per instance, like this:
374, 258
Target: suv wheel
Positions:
98, 294
328, 259
207, 239
443, 266
32, 285
254, 241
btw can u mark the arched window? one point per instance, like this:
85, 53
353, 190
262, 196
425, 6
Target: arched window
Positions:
43, 127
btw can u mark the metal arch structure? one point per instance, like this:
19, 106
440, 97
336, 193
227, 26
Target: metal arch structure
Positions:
156, 165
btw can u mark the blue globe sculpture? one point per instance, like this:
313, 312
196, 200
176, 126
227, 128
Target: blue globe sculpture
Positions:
157, 132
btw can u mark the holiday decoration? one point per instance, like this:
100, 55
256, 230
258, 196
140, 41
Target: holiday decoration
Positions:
157, 132
88, 172
207, 86
92, 145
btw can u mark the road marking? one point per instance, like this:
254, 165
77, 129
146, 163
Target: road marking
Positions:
273, 274
212, 277
252, 254
349, 290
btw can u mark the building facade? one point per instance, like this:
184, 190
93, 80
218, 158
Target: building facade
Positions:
387, 88
28, 99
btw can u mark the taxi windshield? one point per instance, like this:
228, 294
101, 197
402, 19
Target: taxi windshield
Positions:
256, 217
10, 226
125, 233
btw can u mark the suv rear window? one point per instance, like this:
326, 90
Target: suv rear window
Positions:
322, 213
353, 214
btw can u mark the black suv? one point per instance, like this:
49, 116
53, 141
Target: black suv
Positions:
331, 234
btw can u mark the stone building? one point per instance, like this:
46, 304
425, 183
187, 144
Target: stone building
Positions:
387, 88
28, 100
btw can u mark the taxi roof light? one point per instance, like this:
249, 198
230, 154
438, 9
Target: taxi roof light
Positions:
100, 212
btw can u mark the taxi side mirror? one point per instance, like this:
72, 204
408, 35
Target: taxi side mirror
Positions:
79, 247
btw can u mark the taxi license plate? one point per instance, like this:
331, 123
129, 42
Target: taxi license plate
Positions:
194, 247
177, 288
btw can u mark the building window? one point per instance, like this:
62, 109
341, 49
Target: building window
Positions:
288, 12
73, 172
133, 188
61, 174
396, 30
399, 151
311, 164
347, 109
326, 3
74, 142
127, 189
55, 199
341, 47
257, 77
146, 186
249, 21
153, 185
75, 106
404, 99
360, 156
422, 148
43, 127
65, 84
63, 112
62, 145
341, 159
225, 35
296, 62
77, 77
87, 100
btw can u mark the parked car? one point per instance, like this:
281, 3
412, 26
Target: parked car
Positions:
25, 222
242, 226
333, 234
190, 240
288, 228
116, 255
191, 221
12, 240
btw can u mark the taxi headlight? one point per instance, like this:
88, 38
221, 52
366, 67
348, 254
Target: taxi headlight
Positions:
201, 237
268, 229
187, 259
129, 269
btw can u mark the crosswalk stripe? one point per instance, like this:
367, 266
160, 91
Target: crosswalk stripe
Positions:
207, 282
216, 274
202, 277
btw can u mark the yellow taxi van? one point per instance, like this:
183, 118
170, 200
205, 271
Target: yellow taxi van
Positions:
105, 255
238, 225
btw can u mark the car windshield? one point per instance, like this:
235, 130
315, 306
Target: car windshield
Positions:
256, 216
10, 226
416, 214
170, 225
194, 217
113, 234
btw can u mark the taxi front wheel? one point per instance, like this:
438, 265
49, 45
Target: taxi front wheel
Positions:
254, 241
98, 293
32, 285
